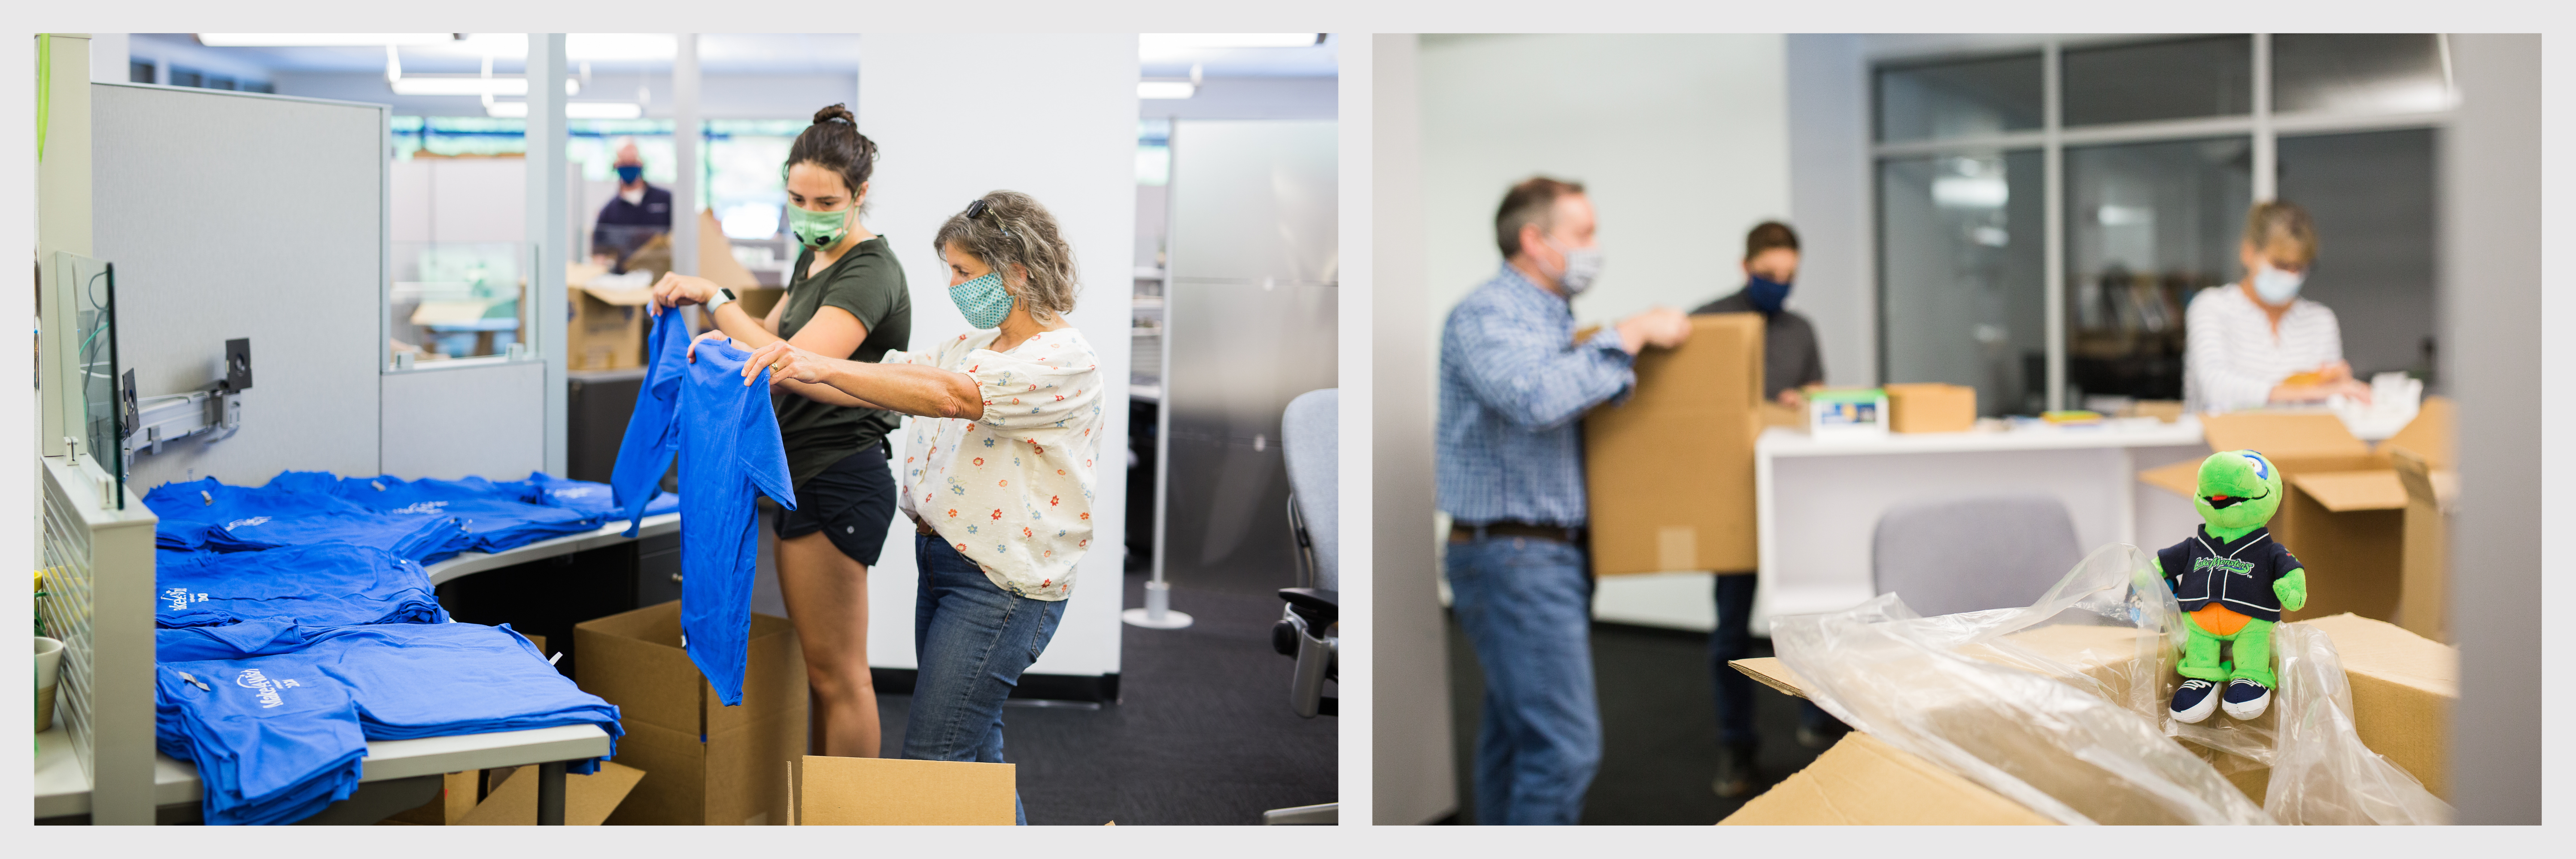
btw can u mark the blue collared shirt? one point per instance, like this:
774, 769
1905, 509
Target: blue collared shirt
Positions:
1512, 385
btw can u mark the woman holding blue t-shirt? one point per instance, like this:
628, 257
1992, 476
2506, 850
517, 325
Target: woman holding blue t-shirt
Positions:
997, 472
846, 298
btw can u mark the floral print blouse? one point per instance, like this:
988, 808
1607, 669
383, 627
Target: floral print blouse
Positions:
1013, 490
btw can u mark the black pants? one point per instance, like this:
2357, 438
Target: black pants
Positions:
1733, 640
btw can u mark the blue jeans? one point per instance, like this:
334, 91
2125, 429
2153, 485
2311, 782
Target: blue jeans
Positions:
1526, 604
972, 639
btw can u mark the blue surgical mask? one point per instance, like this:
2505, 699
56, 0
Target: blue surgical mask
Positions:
1766, 294
983, 300
628, 173
2276, 286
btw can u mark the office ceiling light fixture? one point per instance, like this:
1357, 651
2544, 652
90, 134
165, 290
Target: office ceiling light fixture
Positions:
1166, 89
320, 40
586, 46
1170, 41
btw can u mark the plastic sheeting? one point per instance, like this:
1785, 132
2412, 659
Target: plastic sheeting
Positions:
2061, 706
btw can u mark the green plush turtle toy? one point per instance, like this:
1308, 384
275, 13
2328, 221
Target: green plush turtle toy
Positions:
2233, 581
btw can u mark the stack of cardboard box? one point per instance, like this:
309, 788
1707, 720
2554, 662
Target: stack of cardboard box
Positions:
705, 763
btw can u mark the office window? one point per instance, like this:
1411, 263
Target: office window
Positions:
2358, 73
181, 76
1959, 99
2148, 226
2178, 79
2371, 195
1961, 269
139, 72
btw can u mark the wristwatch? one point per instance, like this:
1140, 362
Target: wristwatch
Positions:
722, 295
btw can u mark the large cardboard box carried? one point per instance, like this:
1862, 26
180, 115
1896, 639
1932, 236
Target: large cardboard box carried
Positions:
2403, 689
1670, 472
2343, 508
826, 791
704, 763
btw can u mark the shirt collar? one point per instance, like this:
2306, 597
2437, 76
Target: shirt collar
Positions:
1519, 281
2225, 548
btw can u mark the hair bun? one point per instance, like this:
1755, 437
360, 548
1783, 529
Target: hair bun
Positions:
835, 112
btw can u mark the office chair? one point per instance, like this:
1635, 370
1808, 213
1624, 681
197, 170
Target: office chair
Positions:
1306, 629
1968, 553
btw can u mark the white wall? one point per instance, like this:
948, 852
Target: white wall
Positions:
1053, 116
1682, 140
1829, 202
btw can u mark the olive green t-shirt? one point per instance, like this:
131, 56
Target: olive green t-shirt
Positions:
867, 283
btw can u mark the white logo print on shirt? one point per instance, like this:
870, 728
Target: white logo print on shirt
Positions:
422, 507
245, 523
252, 679
180, 598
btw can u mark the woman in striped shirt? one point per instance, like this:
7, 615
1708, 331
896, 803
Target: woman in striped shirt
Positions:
2256, 342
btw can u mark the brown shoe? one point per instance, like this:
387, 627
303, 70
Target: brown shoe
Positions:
1734, 771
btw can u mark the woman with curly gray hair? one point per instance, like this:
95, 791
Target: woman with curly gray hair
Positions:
997, 468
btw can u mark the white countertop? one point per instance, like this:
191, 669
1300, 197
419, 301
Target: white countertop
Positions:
607, 535
62, 788
2127, 432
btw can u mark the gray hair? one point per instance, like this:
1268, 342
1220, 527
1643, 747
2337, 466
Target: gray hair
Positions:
1016, 235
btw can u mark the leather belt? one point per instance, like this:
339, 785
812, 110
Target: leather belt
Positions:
1461, 532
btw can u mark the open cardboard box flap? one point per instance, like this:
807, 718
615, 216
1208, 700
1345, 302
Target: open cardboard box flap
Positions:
2283, 435
588, 799
621, 296
1864, 782
2432, 435
2343, 491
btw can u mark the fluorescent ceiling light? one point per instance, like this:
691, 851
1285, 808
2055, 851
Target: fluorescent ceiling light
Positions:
320, 40
572, 110
1166, 89
1168, 41
512, 85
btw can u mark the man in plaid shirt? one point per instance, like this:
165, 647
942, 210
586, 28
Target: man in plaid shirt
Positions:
1513, 383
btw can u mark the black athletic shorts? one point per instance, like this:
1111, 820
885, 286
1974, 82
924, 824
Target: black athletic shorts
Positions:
851, 502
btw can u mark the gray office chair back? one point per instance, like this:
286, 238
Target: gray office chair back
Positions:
1968, 553
1309, 434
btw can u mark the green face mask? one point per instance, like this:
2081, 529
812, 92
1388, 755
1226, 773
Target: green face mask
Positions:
817, 229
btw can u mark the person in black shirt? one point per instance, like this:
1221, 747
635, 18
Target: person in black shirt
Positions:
1790, 366
637, 214
846, 298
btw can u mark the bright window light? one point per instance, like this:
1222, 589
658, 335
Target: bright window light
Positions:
621, 46
320, 40
1168, 41
572, 110
512, 85
460, 85
1166, 89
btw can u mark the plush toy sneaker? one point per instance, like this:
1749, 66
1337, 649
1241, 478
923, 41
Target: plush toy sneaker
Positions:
2195, 701
2246, 699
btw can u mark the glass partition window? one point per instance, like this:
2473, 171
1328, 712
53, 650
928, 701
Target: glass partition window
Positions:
2359, 73
2179, 79
1959, 99
2047, 254
2148, 226
1962, 271
457, 300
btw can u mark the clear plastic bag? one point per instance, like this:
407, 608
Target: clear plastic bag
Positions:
2321, 773
2062, 706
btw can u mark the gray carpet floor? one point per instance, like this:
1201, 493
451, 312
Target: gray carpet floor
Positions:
1202, 733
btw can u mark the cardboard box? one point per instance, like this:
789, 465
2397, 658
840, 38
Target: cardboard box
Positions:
589, 800
825, 791
606, 328
1931, 407
2403, 689
2424, 576
1862, 781
704, 763
1670, 472
2343, 507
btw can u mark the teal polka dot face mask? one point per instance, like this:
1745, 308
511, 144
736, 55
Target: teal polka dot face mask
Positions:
983, 300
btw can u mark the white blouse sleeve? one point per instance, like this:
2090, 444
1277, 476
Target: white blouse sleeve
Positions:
1044, 387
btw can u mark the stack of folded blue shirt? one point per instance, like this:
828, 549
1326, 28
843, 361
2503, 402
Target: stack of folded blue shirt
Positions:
496, 517
277, 716
208, 515
326, 585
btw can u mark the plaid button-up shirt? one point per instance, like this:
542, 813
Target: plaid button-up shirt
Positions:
1512, 384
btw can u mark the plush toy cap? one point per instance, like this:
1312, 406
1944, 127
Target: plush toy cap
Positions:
2239, 490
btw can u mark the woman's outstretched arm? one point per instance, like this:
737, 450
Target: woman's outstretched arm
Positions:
907, 388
